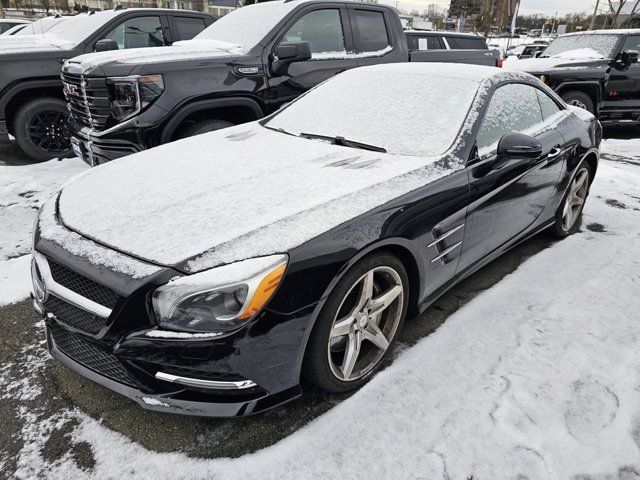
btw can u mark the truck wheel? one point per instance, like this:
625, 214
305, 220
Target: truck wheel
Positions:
579, 99
204, 127
42, 129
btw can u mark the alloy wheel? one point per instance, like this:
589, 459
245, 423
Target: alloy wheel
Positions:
49, 131
574, 202
578, 103
365, 323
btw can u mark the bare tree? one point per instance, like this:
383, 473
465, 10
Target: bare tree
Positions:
615, 11
595, 14
634, 11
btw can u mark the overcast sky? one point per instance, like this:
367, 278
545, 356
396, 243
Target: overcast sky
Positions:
526, 6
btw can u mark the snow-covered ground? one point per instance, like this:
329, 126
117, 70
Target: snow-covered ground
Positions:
538, 377
22, 190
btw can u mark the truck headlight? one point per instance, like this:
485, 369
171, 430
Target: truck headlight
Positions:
221, 299
128, 96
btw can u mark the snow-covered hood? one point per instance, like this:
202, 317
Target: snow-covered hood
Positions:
33, 43
178, 52
235, 194
539, 65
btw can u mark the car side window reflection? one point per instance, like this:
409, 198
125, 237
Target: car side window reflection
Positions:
322, 29
138, 32
513, 108
548, 106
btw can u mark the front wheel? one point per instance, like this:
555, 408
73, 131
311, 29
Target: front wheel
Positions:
42, 129
579, 99
358, 324
204, 126
569, 213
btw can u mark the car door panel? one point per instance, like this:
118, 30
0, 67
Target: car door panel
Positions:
508, 194
623, 88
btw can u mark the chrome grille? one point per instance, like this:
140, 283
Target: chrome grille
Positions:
87, 100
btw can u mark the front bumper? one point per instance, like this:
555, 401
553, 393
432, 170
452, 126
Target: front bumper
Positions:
250, 370
180, 400
96, 150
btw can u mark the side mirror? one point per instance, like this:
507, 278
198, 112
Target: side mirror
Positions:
625, 59
289, 52
519, 145
105, 45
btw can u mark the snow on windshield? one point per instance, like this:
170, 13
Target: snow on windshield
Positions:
247, 26
598, 45
407, 114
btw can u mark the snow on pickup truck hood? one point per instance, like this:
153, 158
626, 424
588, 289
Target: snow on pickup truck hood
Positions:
179, 51
25, 44
556, 62
235, 194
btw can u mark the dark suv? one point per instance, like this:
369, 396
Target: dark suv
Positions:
32, 106
245, 66
594, 70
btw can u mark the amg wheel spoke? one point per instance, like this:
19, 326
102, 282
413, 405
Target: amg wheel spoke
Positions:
367, 290
351, 355
383, 301
375, 336
342, 327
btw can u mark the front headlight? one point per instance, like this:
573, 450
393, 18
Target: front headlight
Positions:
130, 95
221, 299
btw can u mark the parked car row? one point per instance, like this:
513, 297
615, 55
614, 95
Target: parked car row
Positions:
241, 68
210, 276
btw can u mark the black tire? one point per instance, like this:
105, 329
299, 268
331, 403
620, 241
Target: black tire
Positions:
316, 365
559, 228
42, 129
579, 99
203, 127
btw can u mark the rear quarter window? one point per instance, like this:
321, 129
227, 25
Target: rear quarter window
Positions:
189, 27
467, 43
372, 31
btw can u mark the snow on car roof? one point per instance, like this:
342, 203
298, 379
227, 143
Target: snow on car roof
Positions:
473, 73
620, 31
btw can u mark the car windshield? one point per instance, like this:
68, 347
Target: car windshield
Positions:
408, 114
247, 26
78, 28
583, 46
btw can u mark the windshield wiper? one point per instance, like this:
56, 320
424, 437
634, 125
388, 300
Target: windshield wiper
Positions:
279, 130
343, 142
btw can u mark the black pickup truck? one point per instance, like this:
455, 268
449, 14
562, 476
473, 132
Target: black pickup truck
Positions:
32, 106
243, 67
595, 70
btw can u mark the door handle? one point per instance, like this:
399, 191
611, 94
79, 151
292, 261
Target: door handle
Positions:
555, 152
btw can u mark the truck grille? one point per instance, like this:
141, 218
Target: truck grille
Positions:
73, 316
87, 100
82, 285
89, 355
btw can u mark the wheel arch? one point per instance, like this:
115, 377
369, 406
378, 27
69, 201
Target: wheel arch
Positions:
234, 110
592, 160
400, 248
18, 95
592, 89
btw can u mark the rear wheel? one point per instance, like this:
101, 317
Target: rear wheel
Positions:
569, 213
42, 129
204, 126
579, 99
358, 324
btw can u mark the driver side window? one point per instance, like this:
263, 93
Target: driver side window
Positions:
138, 32
322, 29
513, 108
